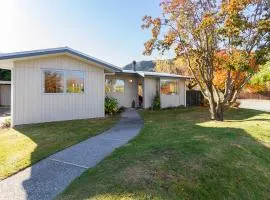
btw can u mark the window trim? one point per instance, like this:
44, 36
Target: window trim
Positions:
177, 87
113, 92
65, 81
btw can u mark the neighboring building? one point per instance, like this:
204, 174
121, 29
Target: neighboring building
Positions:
5, 93
64, 84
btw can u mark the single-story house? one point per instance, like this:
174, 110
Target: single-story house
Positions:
64, 84
131, 85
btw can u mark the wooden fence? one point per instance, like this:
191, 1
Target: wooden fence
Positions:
194, 98
261, 96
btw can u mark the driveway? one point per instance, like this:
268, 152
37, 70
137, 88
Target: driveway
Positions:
49, 177
263, 105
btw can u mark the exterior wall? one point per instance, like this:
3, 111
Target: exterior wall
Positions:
174, 100
130, 91
5, 95
31, 105
150, 89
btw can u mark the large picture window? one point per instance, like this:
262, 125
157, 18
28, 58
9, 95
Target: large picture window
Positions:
168, 87
63, 81
53, 81
114, 86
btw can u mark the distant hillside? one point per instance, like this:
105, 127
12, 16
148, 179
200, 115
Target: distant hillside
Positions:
167, 66
142, 66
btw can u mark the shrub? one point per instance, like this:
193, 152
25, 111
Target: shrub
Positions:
6, 123
111, 105
156, 102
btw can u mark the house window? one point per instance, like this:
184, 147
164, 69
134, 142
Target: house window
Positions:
63, 81
53, 81
168, 87
114, 86
74, 82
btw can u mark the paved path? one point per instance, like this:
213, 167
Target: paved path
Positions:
263, 105
49, 177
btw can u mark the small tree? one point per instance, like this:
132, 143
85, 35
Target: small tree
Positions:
156, 102
199, 29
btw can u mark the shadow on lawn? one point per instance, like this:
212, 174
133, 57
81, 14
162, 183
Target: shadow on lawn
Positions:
181, 159
50, 138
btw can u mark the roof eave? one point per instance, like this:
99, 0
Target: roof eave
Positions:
38, 53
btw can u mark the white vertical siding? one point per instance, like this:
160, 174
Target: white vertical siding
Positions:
150, 89
174, 100
130, 91
185, 93
5, 95
31, 105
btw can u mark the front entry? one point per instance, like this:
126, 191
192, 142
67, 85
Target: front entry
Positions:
140, 95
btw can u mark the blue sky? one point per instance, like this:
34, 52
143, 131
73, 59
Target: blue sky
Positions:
106, 29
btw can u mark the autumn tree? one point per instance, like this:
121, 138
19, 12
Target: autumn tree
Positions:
175, 66
242, 67
199, 29
260, 82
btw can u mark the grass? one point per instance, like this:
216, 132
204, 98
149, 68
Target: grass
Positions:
180, 154
23, 146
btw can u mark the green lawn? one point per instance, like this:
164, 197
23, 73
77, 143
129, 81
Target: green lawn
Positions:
25, 145
180, 154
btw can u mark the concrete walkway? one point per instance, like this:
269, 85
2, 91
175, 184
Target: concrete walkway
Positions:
256, 104
49, 177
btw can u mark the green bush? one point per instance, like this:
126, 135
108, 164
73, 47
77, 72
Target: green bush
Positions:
156, 102
111, 105
6, 123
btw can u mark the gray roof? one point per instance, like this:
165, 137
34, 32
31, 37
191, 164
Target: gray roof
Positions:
23, 54
143, 68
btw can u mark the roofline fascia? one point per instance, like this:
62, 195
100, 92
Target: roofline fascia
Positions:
45, 52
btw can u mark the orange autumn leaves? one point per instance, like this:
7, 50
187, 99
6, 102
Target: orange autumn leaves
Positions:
238, 63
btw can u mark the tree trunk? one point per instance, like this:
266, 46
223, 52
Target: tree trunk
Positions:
216, 110
220, 112
212, 108
234, 97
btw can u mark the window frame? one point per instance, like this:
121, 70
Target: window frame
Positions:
170, 80
64, 71
112, 87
